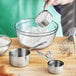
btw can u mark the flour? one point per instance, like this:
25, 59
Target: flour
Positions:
3, 45
37, 36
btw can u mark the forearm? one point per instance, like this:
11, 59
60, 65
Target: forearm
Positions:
63, 2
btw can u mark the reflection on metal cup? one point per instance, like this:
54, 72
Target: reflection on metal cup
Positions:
55, 66
19, 57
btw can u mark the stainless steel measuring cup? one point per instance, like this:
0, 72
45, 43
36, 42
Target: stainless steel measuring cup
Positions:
20, 57
54, 66
44, 17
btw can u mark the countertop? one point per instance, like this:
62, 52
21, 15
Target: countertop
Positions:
38, 65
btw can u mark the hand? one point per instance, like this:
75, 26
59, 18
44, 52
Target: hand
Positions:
57, 2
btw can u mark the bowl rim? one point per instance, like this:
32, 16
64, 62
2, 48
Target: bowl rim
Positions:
10, 40
28, 33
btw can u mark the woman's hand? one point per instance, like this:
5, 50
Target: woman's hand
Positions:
57, 2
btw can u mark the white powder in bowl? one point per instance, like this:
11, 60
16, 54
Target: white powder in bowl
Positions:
31, 41
3, 45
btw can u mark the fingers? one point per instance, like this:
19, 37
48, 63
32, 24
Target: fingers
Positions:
63, 2
49, 2
57, 2
53, 2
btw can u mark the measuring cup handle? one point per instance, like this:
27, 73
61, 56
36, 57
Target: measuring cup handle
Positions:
43, 55
46, 1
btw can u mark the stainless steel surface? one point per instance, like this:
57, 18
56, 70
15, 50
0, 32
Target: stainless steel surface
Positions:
50, 55
44, 18
47, 56
55, 66
19, 57
45, 4
43, 55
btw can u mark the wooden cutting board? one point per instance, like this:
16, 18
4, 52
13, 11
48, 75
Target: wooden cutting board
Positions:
38, 65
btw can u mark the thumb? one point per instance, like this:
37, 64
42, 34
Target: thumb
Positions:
49, 2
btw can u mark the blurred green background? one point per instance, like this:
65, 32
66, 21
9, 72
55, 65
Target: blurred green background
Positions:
12, 11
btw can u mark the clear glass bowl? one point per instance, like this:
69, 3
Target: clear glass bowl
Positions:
30, 33
4, 44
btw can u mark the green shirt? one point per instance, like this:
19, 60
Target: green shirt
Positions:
11, 11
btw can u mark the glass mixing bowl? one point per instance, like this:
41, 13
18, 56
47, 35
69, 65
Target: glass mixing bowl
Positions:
30, 33
4, 44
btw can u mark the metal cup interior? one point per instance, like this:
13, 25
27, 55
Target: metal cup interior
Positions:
19, 52
56, 63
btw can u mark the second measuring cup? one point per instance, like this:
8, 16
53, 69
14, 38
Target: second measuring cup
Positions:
54, 66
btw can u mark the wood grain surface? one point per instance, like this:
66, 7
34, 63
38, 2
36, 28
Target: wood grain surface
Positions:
38, 65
